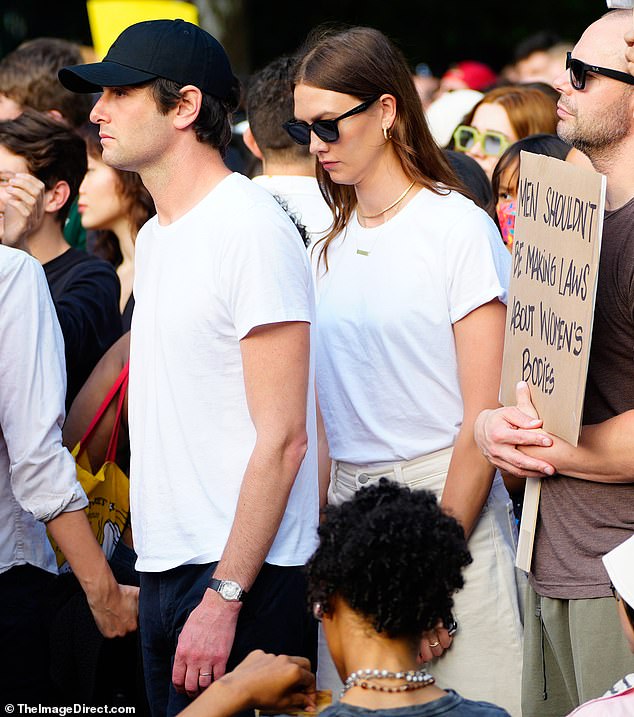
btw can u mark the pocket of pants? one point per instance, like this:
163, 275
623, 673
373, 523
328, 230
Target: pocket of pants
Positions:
434, 482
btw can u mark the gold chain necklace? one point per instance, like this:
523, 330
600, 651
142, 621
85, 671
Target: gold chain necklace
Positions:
391, 206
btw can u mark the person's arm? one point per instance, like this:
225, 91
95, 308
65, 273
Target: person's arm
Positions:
89, 399
605, 453
470, 474
42, 475
260, 681
114, 606
323, 459
275, 365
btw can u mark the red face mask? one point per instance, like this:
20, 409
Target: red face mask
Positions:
506, 211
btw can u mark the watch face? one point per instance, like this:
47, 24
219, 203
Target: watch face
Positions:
230, 590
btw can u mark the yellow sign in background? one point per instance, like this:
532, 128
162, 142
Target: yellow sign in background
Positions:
108, 18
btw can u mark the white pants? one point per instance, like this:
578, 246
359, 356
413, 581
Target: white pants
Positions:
484, 661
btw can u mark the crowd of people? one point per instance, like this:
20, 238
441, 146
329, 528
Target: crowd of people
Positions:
298, 365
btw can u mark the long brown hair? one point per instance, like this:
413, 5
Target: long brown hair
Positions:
530, 111
362, 62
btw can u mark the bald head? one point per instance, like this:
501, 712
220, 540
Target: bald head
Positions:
607, 33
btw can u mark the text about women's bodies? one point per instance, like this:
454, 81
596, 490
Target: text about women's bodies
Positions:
553, 283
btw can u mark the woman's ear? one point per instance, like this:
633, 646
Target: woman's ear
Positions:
388, 110
188, 107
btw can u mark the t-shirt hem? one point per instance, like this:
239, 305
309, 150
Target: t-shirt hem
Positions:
461, 311
589, 591
297, 558
299, 315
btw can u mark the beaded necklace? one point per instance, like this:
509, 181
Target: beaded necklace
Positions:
414, 680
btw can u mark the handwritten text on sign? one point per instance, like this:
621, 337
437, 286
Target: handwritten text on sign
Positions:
551, 297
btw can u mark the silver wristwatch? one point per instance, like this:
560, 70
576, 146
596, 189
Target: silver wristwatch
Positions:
227, 589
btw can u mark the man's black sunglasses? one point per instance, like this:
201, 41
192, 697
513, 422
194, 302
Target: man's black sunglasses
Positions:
326, 130
579, 69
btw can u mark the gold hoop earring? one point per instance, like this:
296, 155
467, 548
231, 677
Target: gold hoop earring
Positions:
387, 134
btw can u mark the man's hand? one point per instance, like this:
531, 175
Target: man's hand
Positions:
23, 210
118, 615
498, 433
629, 52
205, 643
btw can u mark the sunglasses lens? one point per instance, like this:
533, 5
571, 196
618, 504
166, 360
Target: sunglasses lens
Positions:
465, 138
577, 74
492, 144
299, 132
326, 130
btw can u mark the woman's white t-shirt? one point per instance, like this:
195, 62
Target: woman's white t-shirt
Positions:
387, 373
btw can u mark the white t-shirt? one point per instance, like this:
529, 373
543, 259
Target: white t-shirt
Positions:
232, 263
387, 374
303, 198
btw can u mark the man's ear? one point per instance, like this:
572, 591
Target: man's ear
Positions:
188, 107
251, 144
55, 198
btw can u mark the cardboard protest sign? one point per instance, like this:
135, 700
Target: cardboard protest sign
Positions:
555, 266
556, 248
108, 18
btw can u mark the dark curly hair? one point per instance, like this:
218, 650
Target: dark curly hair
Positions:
393, 556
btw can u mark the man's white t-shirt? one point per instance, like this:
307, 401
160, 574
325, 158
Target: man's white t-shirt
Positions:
233, 262
387, 372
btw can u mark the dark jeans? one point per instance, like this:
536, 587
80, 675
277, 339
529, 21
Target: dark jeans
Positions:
24, 650
274, 618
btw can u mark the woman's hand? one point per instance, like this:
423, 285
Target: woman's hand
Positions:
436, 641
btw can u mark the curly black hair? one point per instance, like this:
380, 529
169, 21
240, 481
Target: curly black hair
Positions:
393, 556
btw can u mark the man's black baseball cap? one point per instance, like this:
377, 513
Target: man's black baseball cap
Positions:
173, 49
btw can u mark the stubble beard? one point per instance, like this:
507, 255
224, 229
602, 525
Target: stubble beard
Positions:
598, 135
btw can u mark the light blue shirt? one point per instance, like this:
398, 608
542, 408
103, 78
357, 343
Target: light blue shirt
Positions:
37, 474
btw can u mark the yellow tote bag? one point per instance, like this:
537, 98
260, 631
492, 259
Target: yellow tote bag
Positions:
108, 490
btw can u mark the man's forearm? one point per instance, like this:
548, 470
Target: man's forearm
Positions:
605, 453
262, 501
114, 607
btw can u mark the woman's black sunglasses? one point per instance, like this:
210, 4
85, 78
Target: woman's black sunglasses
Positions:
579, 70
326, 130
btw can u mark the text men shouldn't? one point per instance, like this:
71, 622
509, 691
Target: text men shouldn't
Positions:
553, 283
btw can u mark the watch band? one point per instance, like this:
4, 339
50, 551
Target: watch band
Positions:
221, 586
